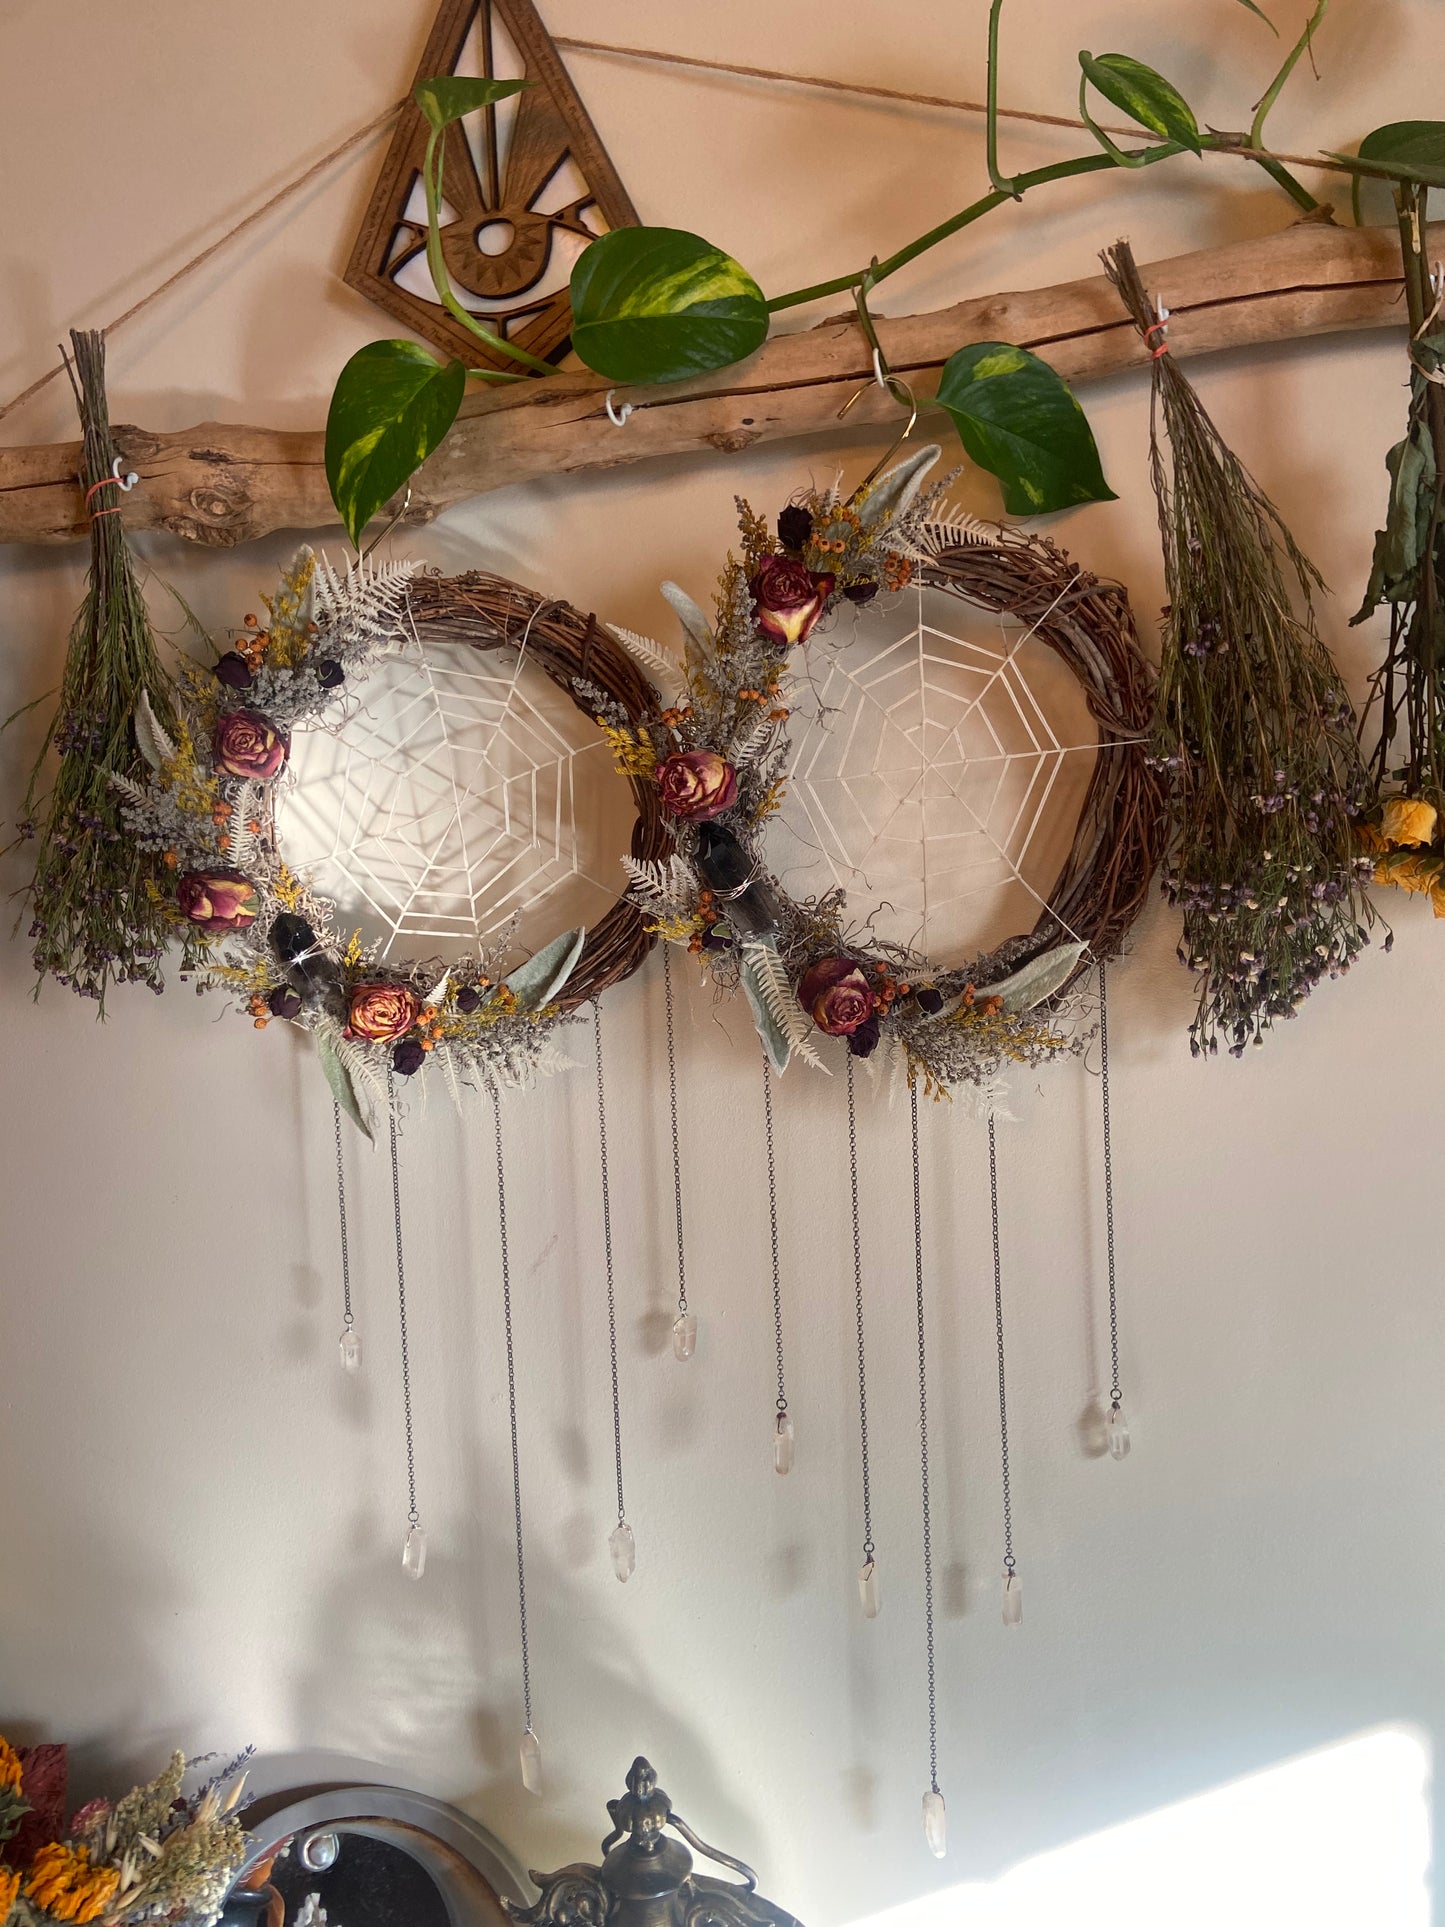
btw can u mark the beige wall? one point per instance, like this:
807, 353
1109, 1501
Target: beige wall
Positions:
199, 1517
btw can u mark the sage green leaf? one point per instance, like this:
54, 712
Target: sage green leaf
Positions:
451, 95
1038, 980
540, 979
1416, 144
1020, 421
1144, 96
688, 614
339, 1078
1260, 14
656, 304
775, 1040
392, 404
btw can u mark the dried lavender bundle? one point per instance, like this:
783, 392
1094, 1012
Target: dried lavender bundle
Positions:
93, 920
1253, 729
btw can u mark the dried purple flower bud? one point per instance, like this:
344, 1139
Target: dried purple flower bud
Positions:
864, 1041
469, 998
408, 1057
930, 1000
233, 671
329, 673
284, 1002
860, 591
795, 525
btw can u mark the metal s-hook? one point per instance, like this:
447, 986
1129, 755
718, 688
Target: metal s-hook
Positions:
405, 505
617, 416
884, 378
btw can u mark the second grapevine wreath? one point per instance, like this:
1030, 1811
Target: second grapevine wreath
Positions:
250, 922
717, 759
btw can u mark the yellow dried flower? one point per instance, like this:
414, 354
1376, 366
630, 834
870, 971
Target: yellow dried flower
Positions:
64, 1883
1417, 874
9, 1767
9, 1888
1408, 821
632, 755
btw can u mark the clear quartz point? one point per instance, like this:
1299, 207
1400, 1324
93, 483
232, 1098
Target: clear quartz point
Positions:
868, 1589
935, 1823
413, 1553
783, 1443
684, 1334
531, 1757
623, 1547
1013, 1599
1117, 1428
350, 1349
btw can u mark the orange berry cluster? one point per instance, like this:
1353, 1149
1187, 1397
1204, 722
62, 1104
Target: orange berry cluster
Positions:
986, 1006
672, 717
260, 1011
706, 907
833, 540
897, 571
429, 1025
252, 646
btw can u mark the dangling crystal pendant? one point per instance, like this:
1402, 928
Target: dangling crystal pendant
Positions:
1013, 1599
1117, 1428
413, 1553
350, 1349
531, 1755
935, 1823
868, 1589
623, 1547
684, 1334
783, 1443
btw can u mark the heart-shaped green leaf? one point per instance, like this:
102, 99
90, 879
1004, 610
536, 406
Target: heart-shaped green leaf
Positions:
1416, 144
451, 95
392, 404
656, 304
1020, 421
1144, 96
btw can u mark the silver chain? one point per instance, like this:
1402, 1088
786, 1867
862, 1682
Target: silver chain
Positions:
1008, 1516
676, 1148
607, 1252
782, 1400
512, 1407
858, 1303
413, 1516
1115, 1394
923, 1448
347, 1318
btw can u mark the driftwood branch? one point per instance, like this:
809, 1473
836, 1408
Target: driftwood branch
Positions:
222, 484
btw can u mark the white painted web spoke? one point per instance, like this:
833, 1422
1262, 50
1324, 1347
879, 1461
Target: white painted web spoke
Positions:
941, 759
461, 789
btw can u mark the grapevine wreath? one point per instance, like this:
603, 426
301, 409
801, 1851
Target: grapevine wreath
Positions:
248, 922
717, 761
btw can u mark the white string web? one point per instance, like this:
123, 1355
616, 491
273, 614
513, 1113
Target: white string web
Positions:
941, 758
460, 790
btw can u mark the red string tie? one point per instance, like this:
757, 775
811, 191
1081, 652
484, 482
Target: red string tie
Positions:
125, 483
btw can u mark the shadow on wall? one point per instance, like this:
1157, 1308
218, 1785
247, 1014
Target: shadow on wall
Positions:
413, 1672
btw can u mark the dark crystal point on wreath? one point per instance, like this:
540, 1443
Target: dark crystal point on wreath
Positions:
726, 867
315, 977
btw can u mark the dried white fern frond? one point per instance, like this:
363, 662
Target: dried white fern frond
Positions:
664, 886
443, 1055
776, 990
365, 609
661, 668
959, 530
151, 739
130, 789
750, 739
240, 838
550, 1061
359, 1062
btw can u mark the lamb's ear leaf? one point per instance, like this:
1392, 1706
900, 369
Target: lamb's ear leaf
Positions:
893, 492
688, 613
339, 1078
1038, 979
151, 739
540, 979
775, 1043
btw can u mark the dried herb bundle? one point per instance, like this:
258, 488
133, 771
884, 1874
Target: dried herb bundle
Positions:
1408, 763
94, 922
1253, 728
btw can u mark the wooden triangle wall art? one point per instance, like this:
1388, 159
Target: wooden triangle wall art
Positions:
527, 184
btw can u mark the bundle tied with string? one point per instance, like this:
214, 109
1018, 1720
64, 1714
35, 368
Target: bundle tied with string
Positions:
95, 916
1253, 730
